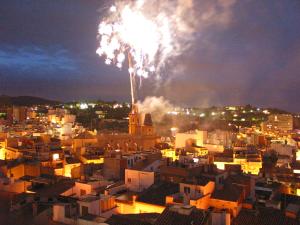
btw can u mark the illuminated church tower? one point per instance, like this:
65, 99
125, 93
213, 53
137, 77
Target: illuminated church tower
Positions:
140, 124
147, 127
134, 121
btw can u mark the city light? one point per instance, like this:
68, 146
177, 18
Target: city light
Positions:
55, 157
177, 153
83, 106
298, 155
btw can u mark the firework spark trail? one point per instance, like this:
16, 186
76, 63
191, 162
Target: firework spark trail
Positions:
151, 33
148, 33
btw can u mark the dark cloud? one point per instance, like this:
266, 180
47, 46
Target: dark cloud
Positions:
32, 58
245, 52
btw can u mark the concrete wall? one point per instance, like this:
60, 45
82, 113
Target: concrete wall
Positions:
197, 190
93, 207
59, 215
233, 207
138, 207
17, 187
136, 180
199, 138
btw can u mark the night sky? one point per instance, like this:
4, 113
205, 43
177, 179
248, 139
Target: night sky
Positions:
250, 55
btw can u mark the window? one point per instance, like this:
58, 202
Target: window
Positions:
220, 180
84, 210
186, 190
82, 192
129, 180
55, 157
68, 211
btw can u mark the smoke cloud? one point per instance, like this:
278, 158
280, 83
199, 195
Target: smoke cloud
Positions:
157, 106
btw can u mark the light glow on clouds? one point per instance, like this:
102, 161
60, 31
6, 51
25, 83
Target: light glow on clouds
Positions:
33, 58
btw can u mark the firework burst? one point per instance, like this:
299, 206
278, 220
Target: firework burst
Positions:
147, 34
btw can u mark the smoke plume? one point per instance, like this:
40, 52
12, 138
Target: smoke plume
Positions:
157, 106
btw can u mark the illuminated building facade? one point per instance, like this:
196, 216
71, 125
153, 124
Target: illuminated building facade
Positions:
141, 134
249, 163
278, 122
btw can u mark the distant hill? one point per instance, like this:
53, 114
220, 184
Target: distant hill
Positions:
25, 101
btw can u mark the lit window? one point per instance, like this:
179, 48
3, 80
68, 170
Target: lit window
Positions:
55, 156
297, 171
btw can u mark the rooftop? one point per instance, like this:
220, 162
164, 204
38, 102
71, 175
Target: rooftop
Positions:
133, 219
272, 185
156, 194
200, 180
72, 160
55, 189
182, 215
263, 216
93, 218
230, 192
85, 135
89, 198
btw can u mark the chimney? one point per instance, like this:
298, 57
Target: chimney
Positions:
34, 209
134, 197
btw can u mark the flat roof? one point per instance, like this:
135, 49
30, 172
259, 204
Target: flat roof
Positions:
88, 198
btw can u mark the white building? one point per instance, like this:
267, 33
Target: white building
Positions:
82, 188
220, 137
136, 180
93, 210
196, 137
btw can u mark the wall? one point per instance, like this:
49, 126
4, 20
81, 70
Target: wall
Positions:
93, 207
233, 207
195, 190
16, 172
88, 222
198, 136
201, 203
114, 190
247, 167
111, 168
169, 153
81, 143
142, 207
138, 207
59, 215
32, 170
214, 148
68, 169
136, 180
107, 203
9, 153
220, 218
16, 187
